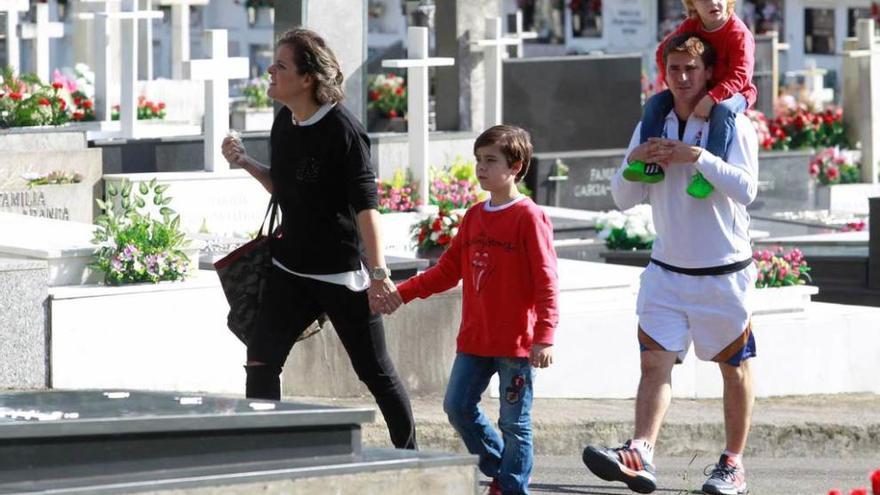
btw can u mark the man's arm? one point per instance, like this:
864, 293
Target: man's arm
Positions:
627, 194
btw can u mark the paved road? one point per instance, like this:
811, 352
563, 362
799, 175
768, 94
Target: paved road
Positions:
559, 475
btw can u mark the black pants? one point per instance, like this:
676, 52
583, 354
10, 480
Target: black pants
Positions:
290, 304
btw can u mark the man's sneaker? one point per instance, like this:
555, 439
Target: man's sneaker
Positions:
726, 478
621, 464
639, 171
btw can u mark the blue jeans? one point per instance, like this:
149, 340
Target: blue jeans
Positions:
722, 120
508, 456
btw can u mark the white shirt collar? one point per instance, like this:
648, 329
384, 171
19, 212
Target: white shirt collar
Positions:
315, 117
489, 207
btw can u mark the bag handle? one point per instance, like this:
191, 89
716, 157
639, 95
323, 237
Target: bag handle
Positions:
271, 212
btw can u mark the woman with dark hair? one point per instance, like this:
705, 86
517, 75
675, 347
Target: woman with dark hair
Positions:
329, 257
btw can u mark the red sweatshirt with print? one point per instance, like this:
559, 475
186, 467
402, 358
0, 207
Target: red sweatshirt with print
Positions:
734, 62
507, 265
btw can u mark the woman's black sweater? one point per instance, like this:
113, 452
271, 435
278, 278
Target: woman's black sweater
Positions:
322, 178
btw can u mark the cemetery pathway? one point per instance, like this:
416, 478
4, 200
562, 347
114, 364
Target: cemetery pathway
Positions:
565, 475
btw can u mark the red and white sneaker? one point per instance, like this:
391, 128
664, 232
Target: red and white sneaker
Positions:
624, 464
726, 478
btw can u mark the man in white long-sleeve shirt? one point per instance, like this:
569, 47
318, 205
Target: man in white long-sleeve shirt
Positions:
697, 286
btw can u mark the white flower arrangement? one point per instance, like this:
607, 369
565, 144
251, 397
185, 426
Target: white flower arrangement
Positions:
630, 229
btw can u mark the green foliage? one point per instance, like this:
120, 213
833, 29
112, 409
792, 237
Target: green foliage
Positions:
133, 247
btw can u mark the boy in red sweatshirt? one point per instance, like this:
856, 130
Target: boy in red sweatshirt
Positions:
732, 90
503, 254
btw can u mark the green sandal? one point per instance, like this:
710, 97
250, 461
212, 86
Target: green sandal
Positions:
699, 187
639, 171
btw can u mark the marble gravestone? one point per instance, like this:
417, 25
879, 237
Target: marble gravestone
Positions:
587, 186
577, 103
39, 154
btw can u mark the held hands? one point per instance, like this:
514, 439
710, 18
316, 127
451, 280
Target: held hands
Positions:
384, 297
542, 355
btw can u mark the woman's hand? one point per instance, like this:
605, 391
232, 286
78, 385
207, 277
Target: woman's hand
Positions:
384, 297
233, 150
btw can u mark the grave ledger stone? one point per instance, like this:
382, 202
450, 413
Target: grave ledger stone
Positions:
127, 442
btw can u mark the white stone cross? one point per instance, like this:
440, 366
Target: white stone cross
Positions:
145, 42
216, 72
494, 48
180, 33
861, 97
128, 97
41, 32
417, 104
519, 35
814, 82
11, 8
102, 51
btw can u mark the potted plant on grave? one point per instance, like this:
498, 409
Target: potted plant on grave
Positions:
255, 112
433, 234
26, 101
455, 186
78, 91
146, 110
782, 278
135, 247
397, 204
628, 235
835, 166
387, 103
55, 177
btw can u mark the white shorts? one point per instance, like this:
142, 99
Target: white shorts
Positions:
713, 311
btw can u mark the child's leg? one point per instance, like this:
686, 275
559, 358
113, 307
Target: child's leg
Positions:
653, 120
722, 122
515, 421
469, 378
654, 115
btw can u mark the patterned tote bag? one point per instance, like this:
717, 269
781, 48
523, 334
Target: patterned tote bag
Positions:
243, 274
